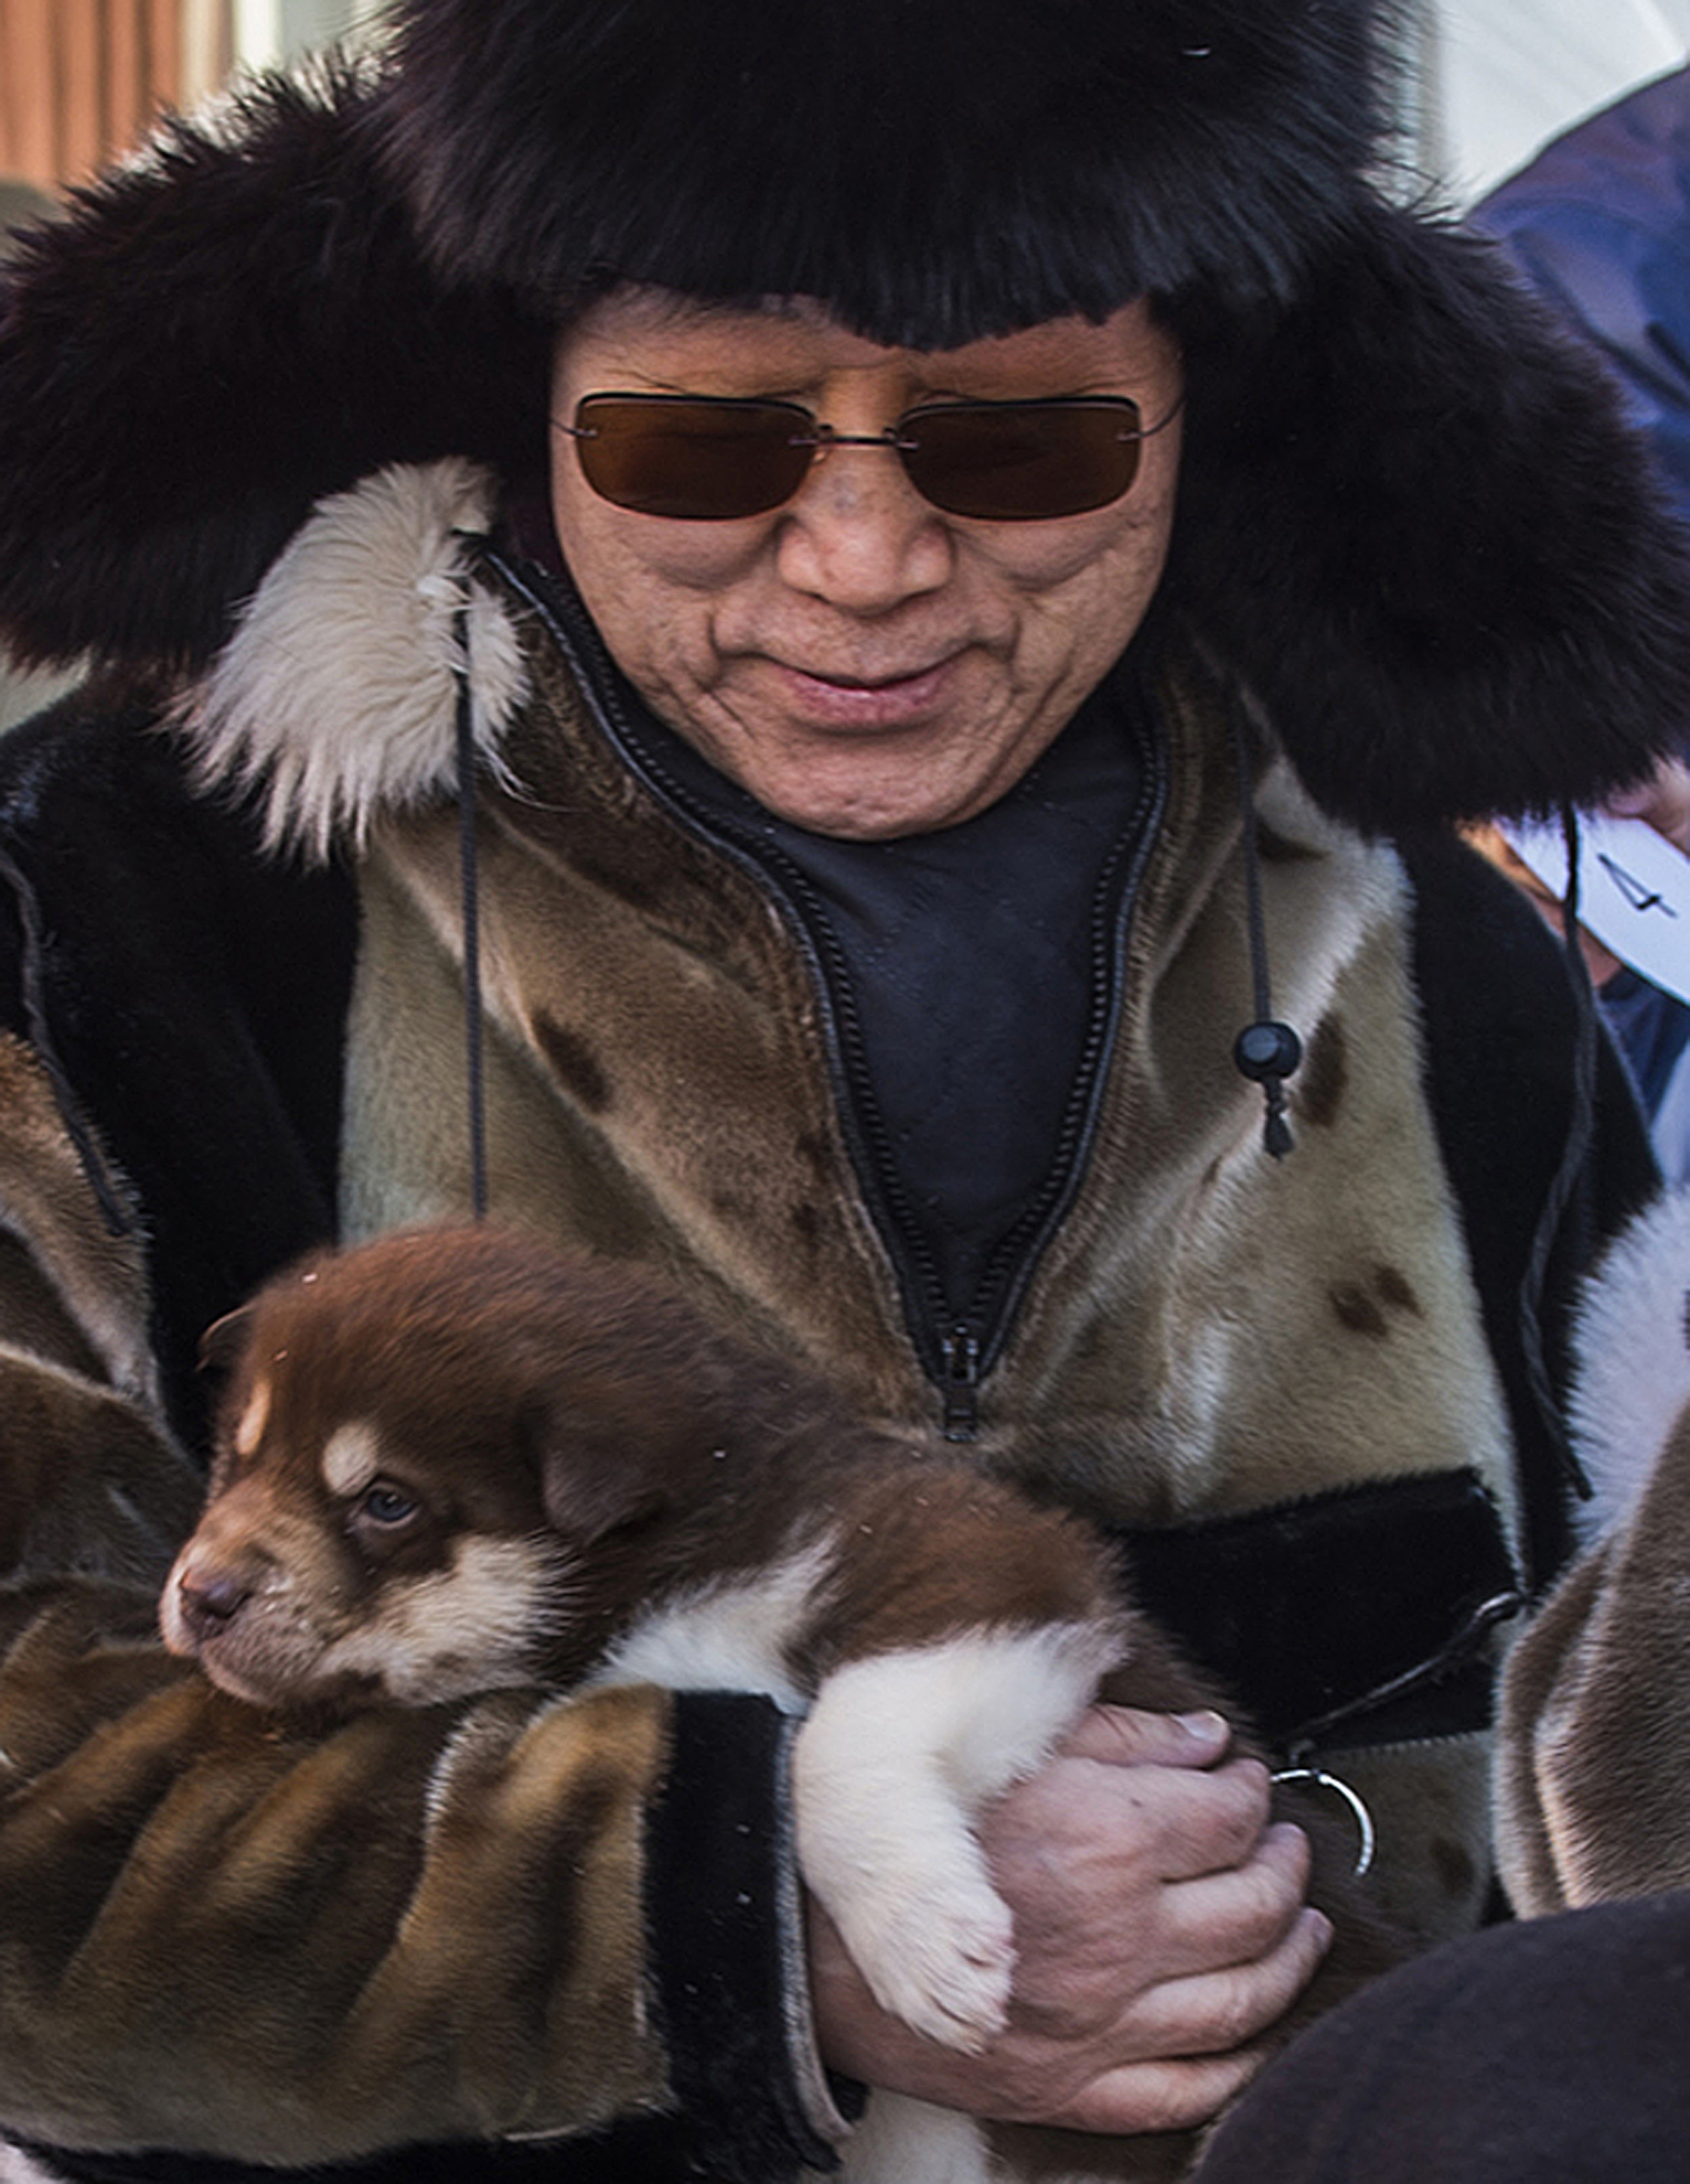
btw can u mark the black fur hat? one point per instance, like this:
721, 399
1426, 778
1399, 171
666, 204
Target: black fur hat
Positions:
933, 169
1410, 517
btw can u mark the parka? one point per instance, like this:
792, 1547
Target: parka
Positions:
353, 872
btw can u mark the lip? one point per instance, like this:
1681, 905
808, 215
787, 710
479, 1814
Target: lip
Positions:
880, 701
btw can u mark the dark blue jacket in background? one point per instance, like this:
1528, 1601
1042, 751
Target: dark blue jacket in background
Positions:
1599, 224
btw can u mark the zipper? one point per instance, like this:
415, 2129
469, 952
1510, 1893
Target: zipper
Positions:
956, 1349
960, 1409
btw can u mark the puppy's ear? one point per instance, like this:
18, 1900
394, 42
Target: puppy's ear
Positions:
607, 1463
223, 1341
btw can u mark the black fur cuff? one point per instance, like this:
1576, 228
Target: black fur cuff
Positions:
723, 1904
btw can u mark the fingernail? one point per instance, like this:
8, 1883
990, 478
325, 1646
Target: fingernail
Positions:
1321, 1927
1206, 1727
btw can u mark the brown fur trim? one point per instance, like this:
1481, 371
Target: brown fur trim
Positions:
445, 1904
1597, 1778
97, 1281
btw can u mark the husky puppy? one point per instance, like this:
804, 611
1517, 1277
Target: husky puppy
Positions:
453, 1459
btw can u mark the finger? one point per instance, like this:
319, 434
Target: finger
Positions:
1664, 800
1192, 1825
1215, 2014
1149, 2097
1234, 1915
1131, 1736
1076, 1980
1081, 1842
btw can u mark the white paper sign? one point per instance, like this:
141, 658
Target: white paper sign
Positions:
1634, 891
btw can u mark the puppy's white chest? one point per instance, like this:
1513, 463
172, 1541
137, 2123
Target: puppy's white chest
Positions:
736, 1635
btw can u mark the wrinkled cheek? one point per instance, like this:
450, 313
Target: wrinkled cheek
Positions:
1069, 635
660, 625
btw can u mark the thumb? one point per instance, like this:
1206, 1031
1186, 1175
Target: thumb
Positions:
1131, 1736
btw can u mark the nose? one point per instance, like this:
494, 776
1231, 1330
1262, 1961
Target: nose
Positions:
858, 535
211, 1600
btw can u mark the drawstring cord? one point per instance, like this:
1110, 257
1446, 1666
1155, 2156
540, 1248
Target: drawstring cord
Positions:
1581, 1130
95, 1167
1302, 1767
1265, 1052
469, 892
32, 980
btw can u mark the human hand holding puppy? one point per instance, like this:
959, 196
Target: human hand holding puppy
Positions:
1161, 1928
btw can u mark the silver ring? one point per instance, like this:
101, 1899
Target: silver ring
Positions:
1368, 1838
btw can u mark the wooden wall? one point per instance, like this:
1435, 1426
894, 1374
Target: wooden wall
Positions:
80, 80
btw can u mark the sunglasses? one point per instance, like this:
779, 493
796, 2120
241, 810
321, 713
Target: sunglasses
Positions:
706, 459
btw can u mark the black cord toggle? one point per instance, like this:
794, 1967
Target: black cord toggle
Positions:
1264, 1050
1267, 1053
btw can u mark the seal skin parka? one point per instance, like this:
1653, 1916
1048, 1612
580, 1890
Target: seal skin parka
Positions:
272, 427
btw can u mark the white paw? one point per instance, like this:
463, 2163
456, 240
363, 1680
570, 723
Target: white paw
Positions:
937, 1950
898, 1754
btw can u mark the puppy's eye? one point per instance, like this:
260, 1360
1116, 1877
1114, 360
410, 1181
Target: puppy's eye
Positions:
384, 1503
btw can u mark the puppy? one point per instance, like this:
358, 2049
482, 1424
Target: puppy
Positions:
452, 1460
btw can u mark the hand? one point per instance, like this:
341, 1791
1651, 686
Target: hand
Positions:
1160, 1929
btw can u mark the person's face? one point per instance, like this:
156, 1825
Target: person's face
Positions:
863, 663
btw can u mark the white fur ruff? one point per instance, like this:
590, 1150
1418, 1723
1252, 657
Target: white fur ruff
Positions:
1631, 1343
336, 698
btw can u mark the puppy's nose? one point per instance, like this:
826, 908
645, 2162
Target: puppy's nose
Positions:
211, 1600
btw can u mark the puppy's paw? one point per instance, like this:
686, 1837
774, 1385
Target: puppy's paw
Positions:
937, 1950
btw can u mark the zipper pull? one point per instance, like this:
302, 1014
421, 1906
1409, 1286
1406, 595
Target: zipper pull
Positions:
960, 1348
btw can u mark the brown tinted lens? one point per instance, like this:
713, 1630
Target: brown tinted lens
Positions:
1015, 462
705, 461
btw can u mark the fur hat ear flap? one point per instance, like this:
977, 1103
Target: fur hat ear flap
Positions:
219, 335
1413, 513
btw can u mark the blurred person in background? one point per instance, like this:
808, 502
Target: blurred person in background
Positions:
1598, 222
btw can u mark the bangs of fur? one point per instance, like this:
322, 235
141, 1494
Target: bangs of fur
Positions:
934, 173
336, 700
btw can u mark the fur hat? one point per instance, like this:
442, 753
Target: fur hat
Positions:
934, 170
1410, 518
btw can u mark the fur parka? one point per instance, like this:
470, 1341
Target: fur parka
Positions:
268, 397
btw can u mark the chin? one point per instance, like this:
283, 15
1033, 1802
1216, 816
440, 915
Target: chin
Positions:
877, 793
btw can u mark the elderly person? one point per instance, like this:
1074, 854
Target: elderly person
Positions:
785, 641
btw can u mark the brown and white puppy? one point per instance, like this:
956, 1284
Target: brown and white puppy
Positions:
452, 1459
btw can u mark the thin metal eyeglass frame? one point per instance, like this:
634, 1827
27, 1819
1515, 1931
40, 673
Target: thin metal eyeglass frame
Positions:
821, 436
